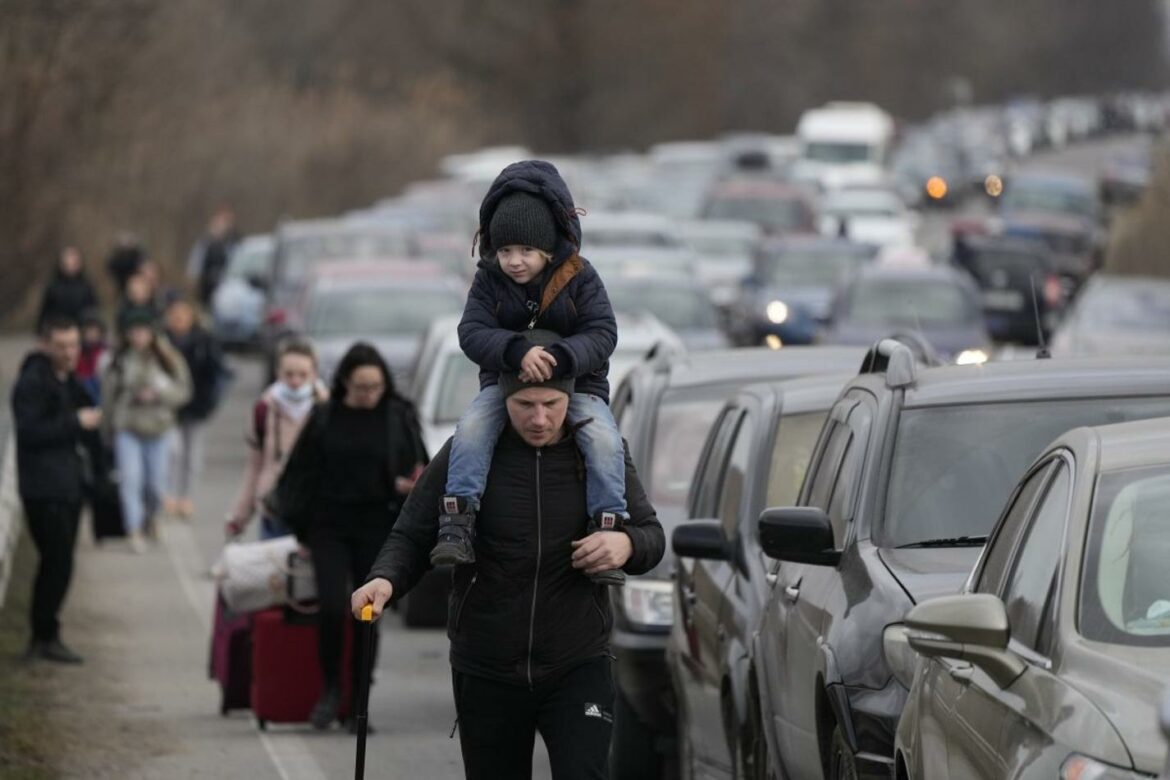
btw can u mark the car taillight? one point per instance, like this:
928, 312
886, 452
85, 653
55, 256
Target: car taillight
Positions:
276, 317
1053, 291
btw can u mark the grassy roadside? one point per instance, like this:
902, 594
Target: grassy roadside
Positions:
28, 737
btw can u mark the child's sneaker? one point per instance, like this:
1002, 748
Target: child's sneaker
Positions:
606, 521
456, 533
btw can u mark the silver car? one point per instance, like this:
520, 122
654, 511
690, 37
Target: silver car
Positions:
1053, 661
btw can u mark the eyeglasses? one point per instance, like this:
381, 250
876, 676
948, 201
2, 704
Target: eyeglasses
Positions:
367, 389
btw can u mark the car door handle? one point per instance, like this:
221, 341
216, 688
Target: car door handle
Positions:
961, 674
792, 592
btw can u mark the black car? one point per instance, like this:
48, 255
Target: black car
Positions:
755, 457
664, 410
907, 480
1021, 287
790, 288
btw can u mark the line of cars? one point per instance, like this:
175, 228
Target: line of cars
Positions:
821, 510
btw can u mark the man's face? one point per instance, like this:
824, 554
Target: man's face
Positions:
63, 348
538, 414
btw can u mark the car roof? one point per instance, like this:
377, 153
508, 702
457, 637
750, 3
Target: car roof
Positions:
813, 242
912, 273
1035, 380
377, 271
331, 226
803, 394
1133, 444
750, 364
757, 188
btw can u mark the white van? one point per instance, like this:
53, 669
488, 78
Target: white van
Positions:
843, 144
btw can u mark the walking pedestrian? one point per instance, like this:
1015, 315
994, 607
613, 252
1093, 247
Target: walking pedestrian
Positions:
69, 294
53, 417
145, 384
360, 452
125, 260
278, 418
531, 275
210, 376
209, 258
94, 349
140, 300
529, 628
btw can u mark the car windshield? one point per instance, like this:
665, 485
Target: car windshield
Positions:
458, 385
1137, 308
955, 466
677, 307
1125, 591
300, 254
378, 310
1061, 201
777, 214
799, 268
250, 260
830, 152
684, 419
909, 302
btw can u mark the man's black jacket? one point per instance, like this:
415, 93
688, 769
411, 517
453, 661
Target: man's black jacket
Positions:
44, 411
521, 613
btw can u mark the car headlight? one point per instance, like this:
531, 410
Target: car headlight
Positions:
1078, 767
900, 657
971, 357
777, 312
649, 602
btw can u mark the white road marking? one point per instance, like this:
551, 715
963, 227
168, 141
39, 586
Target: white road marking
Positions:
289, 753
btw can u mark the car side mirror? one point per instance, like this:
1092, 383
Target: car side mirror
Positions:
702, 539
972, 627
800, 534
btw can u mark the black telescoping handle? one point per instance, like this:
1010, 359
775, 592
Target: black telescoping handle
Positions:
362, 705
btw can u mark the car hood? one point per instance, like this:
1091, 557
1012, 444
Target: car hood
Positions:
814, 301
947, 341
930, 572
1127, 684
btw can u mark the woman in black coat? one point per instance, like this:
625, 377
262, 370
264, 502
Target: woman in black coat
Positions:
69, 294
341, 491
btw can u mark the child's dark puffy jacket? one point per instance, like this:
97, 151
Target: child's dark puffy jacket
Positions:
567, 298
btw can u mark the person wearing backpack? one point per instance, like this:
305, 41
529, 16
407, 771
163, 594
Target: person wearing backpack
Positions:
210, 377
278, 418
341, 490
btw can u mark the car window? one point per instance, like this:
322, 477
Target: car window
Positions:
1125, 592
458, 386
836, 443
954, 467
709, 473
734, 483
796, 438
683, 420
1000, 548
1031, 585
844, 495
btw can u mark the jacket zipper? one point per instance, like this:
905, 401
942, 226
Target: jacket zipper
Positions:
463, 601
536, 576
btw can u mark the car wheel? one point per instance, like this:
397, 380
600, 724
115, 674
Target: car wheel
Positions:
842, 765
632, 754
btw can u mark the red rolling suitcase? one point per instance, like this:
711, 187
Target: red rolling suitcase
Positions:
231, 657
286, 676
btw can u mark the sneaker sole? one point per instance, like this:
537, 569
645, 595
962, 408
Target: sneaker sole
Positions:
450, 555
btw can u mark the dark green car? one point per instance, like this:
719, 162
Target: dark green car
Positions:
1053, 661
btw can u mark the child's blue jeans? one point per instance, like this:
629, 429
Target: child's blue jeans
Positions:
599, 440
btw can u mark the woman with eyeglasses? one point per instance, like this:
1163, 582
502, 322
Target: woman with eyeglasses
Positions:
351, 469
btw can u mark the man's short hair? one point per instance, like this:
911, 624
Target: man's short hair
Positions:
55, 323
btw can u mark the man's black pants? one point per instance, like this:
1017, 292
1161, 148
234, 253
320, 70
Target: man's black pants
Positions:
53, 527
573, 713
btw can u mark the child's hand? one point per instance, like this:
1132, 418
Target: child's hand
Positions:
537, 365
